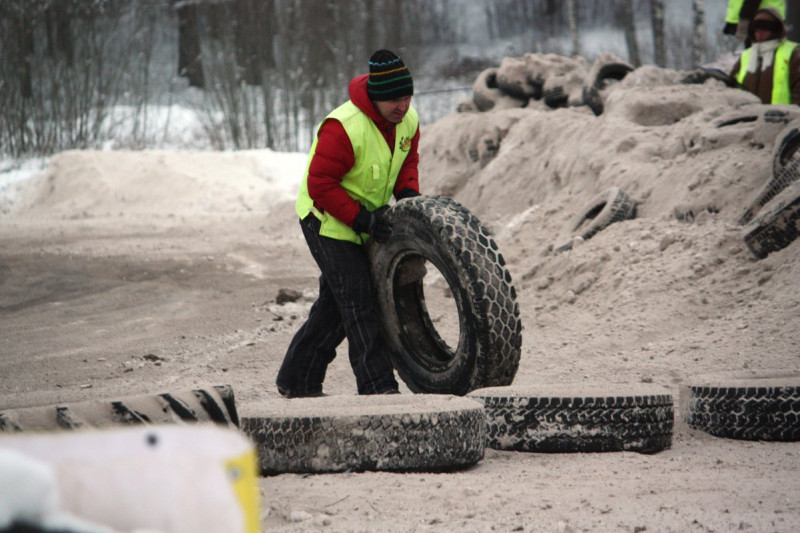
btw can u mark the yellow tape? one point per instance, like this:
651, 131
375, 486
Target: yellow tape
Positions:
243, 474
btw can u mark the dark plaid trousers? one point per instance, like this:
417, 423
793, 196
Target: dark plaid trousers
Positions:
345, 307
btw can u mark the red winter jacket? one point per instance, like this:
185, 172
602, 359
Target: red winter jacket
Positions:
333, 158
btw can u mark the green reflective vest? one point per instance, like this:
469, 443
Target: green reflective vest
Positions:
781, 91
371, 180
735, 6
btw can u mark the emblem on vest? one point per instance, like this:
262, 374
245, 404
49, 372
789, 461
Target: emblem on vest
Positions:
405, 144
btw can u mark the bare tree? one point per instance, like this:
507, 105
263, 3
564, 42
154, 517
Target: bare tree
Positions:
572, 14
59, 32
65, 68
253, 31
396, 23
699, 35
189, 62
657, 16
370, 25
24, 23
628, 21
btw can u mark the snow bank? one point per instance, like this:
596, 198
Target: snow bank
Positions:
90, 184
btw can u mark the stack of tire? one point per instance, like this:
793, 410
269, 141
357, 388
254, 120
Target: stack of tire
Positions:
554, 80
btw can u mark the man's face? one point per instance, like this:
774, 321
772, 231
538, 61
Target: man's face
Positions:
394, 110
765, 28
760, 36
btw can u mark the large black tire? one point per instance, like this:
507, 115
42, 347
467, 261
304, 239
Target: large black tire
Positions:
214, 404
565, 421
556, 97
454, 241
787, 146
485, 92
487, 95
612, 205
765, 407
536, 82
512, 79
779, 181
785, 170
591, 97
609, 73
702, 74
359, 433
777, 226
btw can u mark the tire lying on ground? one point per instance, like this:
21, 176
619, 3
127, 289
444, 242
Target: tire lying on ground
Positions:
772, 125
777, 225
702, 74
213, 404
576, 419
786, 147
487, 95
591, 98
536, 82
359, 433
779, 181
485, 92
513, 80
762, 406
612, 205
455, 245
610, 73
785, 171
556, 97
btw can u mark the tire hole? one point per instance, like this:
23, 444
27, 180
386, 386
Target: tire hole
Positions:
592, 214
789, 152
737, 120
441, 306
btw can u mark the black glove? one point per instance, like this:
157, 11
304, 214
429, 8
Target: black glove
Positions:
408, 192
376, 223
730, 28
382, 230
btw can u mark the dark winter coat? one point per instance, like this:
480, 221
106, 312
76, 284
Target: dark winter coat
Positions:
760, 82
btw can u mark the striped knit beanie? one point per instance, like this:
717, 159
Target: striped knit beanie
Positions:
389, 77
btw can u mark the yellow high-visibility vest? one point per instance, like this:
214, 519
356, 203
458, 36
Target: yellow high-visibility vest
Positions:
781, 92
373, 176
735, 6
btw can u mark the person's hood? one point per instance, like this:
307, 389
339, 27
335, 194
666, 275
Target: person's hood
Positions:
767, 12
358, 95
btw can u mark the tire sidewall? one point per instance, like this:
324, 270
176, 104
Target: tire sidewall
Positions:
414, 237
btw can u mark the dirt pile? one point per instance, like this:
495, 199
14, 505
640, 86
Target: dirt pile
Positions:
678, 277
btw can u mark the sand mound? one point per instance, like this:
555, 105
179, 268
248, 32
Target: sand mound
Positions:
92, 184
692, 157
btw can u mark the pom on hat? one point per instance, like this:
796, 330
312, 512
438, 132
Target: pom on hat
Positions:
389, 78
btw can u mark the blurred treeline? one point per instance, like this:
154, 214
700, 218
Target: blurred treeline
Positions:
261, 73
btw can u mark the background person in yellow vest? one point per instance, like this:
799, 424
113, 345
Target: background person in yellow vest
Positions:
366, 150
770, 68
741, 12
